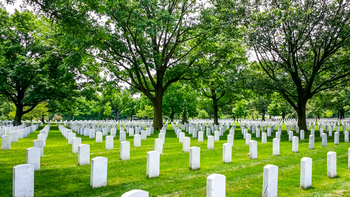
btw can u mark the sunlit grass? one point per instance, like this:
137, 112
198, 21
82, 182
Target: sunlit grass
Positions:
60, 174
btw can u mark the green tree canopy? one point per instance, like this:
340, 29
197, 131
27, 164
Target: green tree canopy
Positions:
146, 44
301, 47
32, 67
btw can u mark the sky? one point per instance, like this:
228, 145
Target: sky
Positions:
11, 8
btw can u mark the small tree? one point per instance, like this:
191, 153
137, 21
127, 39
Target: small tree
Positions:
184, 114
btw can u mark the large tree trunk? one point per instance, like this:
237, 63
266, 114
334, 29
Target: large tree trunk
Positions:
263, 115
283, 115
172, 115
301, 111
18, 116
158, 110
342, 113
215, 109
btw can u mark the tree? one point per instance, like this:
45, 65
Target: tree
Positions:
116, 96
240, 109
334, 100
301, 46
40, 112
203, 114
261, 104
32, 67
174, 98
146, 44
329, 113
221, 83
5, 108
146, 112
184, 118
107, 110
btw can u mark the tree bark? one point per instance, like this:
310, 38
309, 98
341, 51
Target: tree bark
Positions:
301, 112
158, 110
19, 114
283, 115
341, 113
263, 115
116, 113
215, 109
172, 115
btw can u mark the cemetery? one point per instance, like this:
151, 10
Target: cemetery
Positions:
174, 98
162, 166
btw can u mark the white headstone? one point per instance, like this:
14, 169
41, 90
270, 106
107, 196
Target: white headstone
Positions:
137, 140
230, 139
33, 157
264, 138
302, 135
311, 142
6, 142
270, 181
257, 134
14, 136
276, 147
290, 135
216, 185
253, 149
92, 133
20, 134
43, 138
99, 137
210, 142
109, 142
75, 145
153, 160
216, 136
186, 144
143, 135
122, 136
136, 193
113, 131
181, 137
248, 137
305, 172
124, 150
346, 136
23, 180
39, 144
195, 158
227, 153
70, 137
295, 146
336, 138
324, 140
98, 172
84, 154
331, 164
200, 136
131, 132
158, 145
162, 137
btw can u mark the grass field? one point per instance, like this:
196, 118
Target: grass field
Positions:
61, 176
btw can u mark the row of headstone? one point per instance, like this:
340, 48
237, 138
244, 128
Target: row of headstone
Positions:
11, 135
23, 175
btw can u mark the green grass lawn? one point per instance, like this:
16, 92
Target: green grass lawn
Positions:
60, 174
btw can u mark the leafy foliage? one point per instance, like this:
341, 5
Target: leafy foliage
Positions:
32, 68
